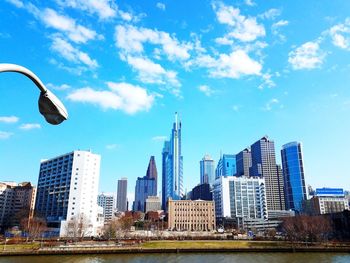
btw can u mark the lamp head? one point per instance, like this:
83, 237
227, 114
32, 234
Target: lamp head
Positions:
52, 108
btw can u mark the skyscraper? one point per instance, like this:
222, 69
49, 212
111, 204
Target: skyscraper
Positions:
172, 183
293, 175
264, 165
152, 171
207, 170
67, 191
243, 162
122, 202
226, 166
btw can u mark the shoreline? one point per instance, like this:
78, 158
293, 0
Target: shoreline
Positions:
177, 247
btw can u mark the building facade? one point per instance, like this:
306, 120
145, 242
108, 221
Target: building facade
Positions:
189, 215
67, 192
108, 202
122, 190
240, 198
172, 172
207, 170
16, 202
264, 165
152, 171
153, 204
293, 176
243, 162
328, 200
226, 166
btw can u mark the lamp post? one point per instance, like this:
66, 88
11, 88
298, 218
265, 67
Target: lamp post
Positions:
49, 105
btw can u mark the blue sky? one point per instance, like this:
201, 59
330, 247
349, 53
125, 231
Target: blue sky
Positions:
234, 70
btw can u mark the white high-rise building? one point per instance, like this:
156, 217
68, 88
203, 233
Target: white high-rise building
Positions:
108, 202
240, 197
67, 194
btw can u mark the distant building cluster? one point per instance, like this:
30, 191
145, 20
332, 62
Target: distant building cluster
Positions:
249, 190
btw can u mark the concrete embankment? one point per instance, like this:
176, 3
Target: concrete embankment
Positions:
138, 249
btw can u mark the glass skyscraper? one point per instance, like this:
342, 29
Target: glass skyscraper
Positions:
264, 165
293, 175
207, 170
172, 181
146, 186
226, 166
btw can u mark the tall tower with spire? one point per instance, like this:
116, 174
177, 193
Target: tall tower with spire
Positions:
172, 172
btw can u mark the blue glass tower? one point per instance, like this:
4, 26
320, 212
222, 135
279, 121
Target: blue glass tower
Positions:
293, 175
172, 183
226, 166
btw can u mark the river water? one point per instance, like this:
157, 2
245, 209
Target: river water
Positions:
191, 258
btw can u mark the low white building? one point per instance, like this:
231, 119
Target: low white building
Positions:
240, 197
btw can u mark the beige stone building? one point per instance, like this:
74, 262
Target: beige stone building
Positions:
191, 215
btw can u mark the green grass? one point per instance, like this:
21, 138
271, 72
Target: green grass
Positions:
210, 244
12, 247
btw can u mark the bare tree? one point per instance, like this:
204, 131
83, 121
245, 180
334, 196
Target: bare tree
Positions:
78, 227
34, 227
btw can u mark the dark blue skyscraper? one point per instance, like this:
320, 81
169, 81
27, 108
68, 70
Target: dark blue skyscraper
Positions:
146, 186
293, 175
172, 183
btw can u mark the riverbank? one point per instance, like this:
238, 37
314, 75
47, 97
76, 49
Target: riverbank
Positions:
174, 247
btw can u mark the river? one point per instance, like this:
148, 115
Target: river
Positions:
191, 258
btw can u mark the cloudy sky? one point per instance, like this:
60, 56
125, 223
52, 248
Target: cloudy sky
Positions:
234, 70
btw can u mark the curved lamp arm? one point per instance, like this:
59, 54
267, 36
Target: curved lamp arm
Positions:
24, 71
49, 105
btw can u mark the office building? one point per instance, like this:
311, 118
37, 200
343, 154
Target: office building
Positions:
207, 170
293, 176
202, 192
226, 166
240, 198
172, 181
153, 204
108, 202
152, 171
122, 190
326, 201
16, 203
67, 192
189, 215
146, 186
264, 166
243, 162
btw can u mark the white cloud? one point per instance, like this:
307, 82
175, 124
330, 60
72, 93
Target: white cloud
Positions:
224, 41
120, 96
233, 65
150, 72
103, 8
271, 14
275, 28
307, 56
30, 126
250, 2
161, 6
131, 39
17, 3
340, 34
269, 105
112, 146
267, 81
243, 28
5, 135
159, 138
9, 119
67, 51
206, 90
58, 87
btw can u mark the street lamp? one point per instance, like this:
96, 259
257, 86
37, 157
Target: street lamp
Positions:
49, 105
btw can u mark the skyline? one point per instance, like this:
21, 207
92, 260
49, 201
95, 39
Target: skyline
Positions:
129, 68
